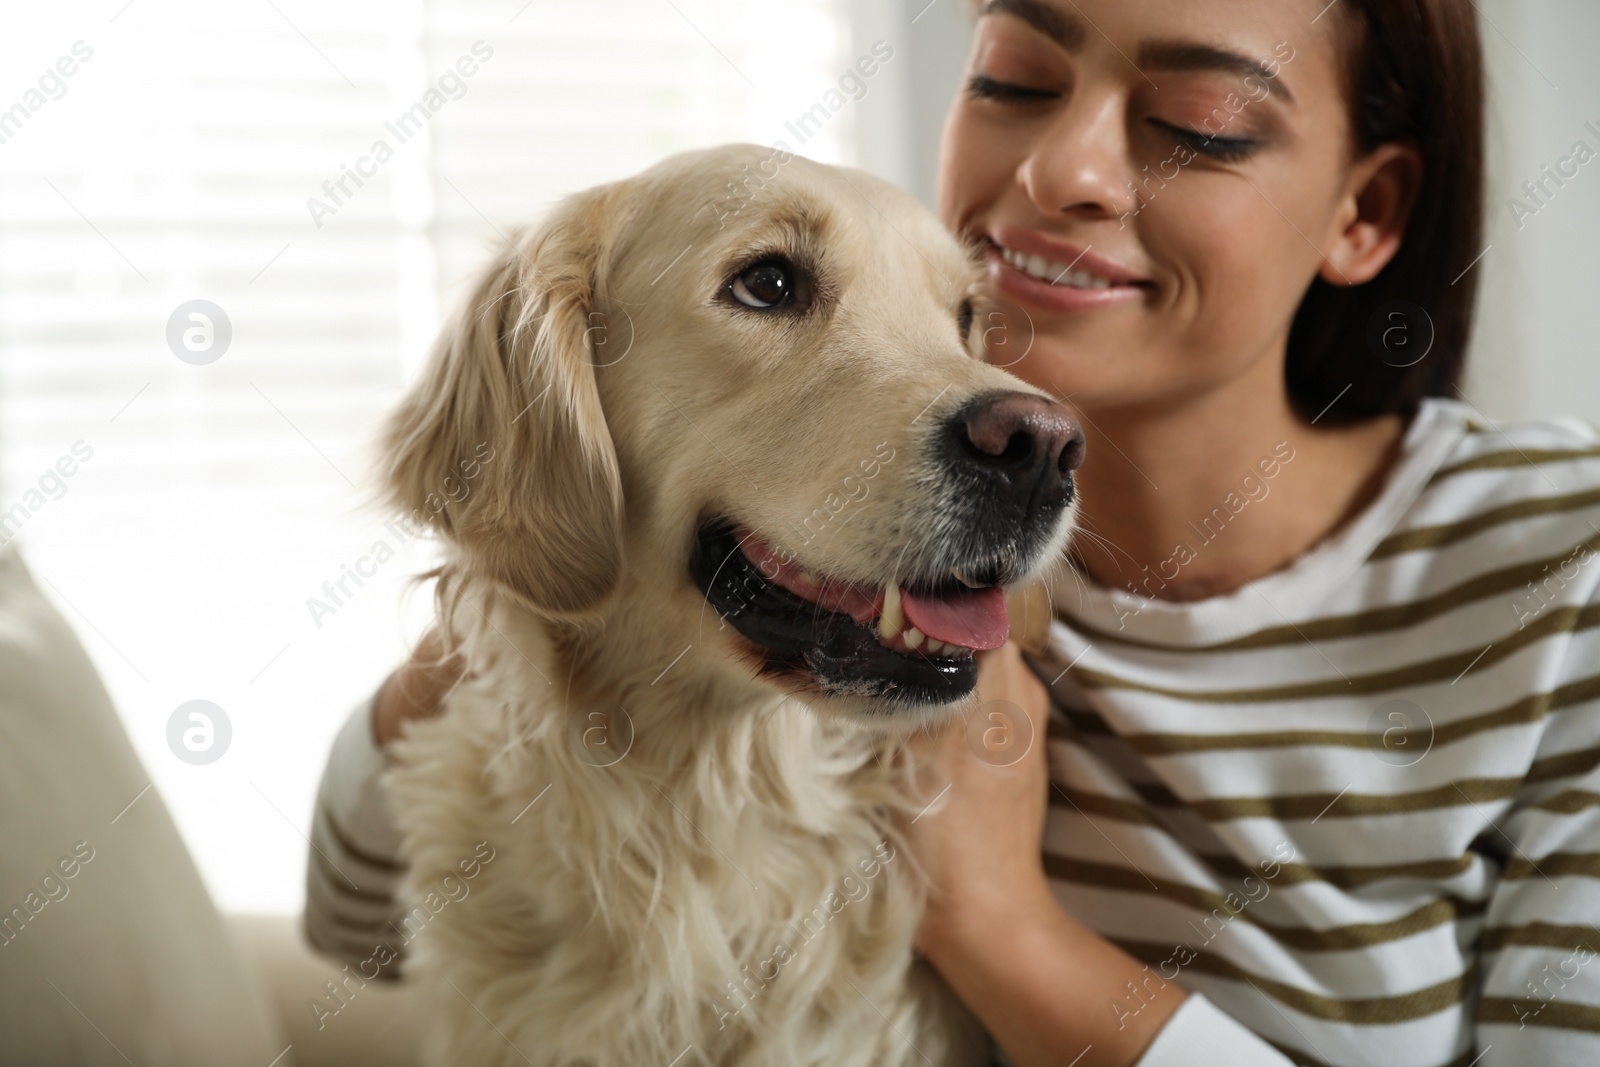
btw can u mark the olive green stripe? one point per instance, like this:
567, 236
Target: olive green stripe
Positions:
1541, 935
1073, 722
1583, 864
1099, 804
1354, 805
1230, 867
1569, 801
1348, 805
1556, 1014
1527, 711
1565, 765
350, 848
1360, 1010
358, 942
344, 888
1527, 457
1449, 533
1565, 620
1348, 877
1517, 868
1216, 907
1363, 623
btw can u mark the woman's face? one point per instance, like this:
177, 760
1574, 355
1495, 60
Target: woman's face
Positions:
1187, 159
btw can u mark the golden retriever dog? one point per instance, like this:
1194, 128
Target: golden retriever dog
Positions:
734, 502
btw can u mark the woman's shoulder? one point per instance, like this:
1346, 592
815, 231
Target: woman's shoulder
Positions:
1503, 486
1485, 446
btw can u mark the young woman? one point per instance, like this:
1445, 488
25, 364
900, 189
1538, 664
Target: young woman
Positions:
1320, 780
1326, 746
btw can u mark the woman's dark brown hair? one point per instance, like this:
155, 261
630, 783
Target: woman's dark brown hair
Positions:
1414, 73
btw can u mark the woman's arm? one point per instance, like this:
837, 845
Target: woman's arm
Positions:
1540, 999
353, 869
1043, 984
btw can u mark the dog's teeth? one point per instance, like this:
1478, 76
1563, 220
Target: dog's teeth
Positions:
913, 638
962, 577
890, 622
935, 647
812, 578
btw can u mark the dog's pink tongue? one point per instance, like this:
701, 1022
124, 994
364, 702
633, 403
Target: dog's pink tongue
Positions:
975, 618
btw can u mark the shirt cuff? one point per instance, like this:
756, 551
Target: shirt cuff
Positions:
1201, 1032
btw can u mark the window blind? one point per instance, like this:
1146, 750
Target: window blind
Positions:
184, 159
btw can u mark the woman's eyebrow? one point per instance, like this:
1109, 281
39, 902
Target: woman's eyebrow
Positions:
1060, 27
1195, 56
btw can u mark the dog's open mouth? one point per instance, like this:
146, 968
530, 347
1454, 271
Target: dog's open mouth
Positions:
910, 643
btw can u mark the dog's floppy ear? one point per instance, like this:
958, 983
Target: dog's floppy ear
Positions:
501, 445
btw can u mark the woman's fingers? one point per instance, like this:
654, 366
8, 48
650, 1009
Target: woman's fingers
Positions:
1004, 675
417, 689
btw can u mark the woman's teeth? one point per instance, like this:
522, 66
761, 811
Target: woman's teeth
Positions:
1054, 273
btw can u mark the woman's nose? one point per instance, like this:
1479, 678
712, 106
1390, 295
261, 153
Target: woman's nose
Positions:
1079, 166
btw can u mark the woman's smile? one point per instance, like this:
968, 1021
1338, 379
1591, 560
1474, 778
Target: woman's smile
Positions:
1058, 275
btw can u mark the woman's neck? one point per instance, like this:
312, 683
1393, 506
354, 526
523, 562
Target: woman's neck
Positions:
1196, 498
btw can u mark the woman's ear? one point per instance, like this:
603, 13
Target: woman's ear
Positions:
501, 444
1372, 217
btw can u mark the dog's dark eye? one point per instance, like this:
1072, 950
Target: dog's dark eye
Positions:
964, 318
766, 285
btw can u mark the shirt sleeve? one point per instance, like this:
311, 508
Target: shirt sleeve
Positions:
353, 870
1541, 981
1201, 1032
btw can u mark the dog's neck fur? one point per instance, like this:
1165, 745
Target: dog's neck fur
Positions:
661, 877
697, 726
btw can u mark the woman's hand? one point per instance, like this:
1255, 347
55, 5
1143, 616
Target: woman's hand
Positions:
416, 690
981, 847
1043, 985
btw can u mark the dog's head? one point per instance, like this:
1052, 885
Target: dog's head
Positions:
736, 403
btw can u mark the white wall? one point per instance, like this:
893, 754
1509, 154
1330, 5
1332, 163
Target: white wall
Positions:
1539, 284
898, 124
1535, 349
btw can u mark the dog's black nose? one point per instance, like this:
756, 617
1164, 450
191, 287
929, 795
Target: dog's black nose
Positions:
1023, 447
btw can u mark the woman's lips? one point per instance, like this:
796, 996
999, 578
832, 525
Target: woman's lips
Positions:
1026, 289
1022, 240
1078, 278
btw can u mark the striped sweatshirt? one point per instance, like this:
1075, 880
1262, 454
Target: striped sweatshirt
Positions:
1355, 804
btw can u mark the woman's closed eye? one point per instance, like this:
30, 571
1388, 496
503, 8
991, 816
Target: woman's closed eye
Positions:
1212, 146
983, 87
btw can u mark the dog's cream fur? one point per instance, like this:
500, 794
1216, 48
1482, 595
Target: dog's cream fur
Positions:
663, 819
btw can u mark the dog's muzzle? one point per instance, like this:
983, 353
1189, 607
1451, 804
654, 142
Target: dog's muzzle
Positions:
1001, 469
